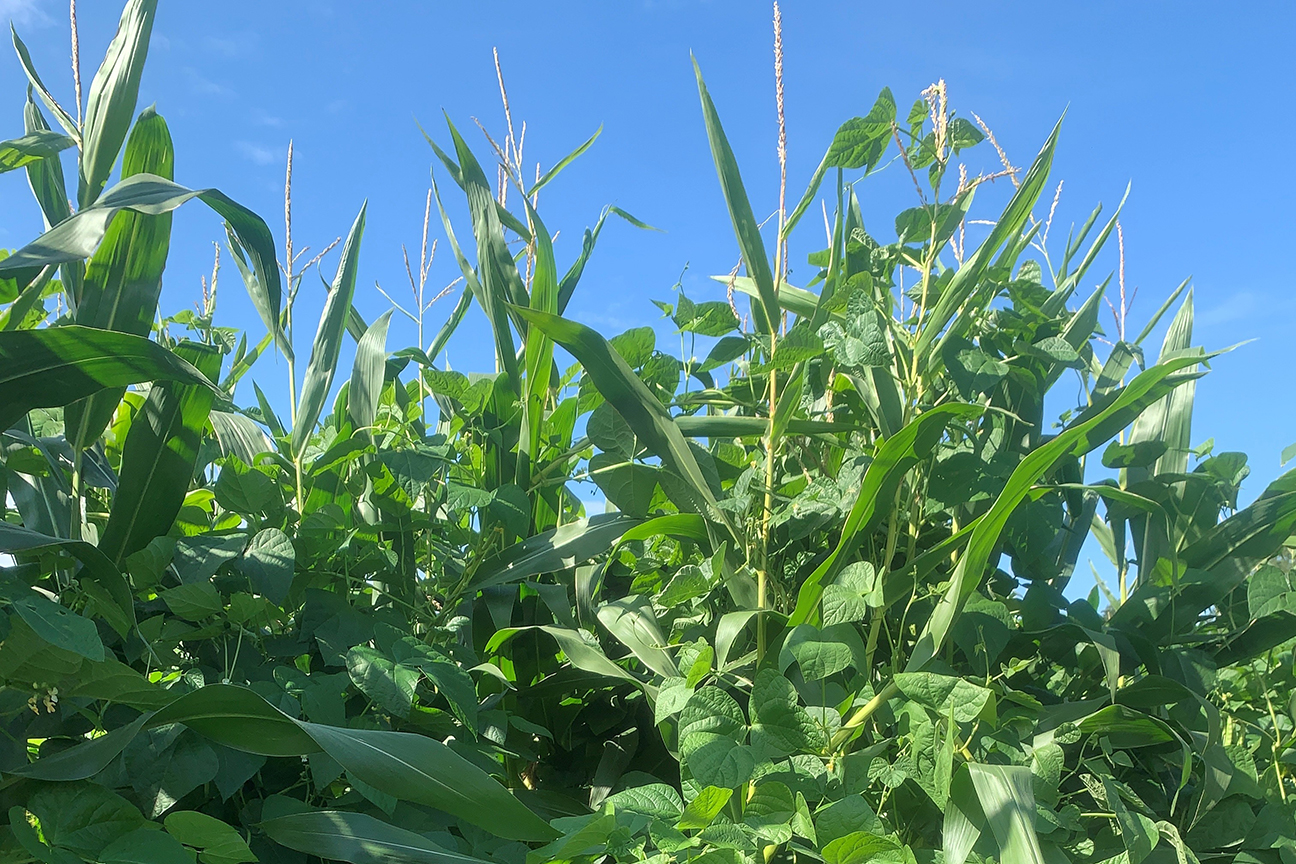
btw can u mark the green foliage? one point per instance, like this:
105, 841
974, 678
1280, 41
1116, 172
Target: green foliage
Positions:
828, 620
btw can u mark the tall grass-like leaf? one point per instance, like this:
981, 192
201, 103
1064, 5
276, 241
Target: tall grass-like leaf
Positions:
556, 549
733, 426
452, 323
632, 399
240, 718
538, 351
404, 765
765, 314
1008, 802
85, 760
32, 147
28, 299
110, 104
46, 175
1087, 432
51, 367
123, 280
581, 653
239, 436
499, 280
78, 236
631, 621
1069, 281
894, 458
338, 835
1234, 547
159, 456
507, 219
1156, 317
328, 338
571, 157
791, 298
64, 119
968, 276
419, 769
367, 373
266, 303
567, 285
50, 190
1170, 420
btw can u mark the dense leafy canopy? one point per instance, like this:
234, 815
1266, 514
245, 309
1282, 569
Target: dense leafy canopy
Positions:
826, 619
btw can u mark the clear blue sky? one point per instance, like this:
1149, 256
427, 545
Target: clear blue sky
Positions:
1187, 100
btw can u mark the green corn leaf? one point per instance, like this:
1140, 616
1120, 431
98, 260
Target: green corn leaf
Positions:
123, 280
28, 299
452, 323
64, 119
239, 436
1008, 802
159, 457
553, 550
267, 413
1169, 421
51, 367
1235, 546
894, 458
732, 426
328, 338
632, 622
968, 277
580, 653
240, 718
537, 352
765, 314
110, 104
1160, 313
406, 766
1086, 433
266, 303
619, 385
84, 760
567, 286
77, 237
337, 835
499, 280
1071, 280
798, 301
32, 147
507, 219
420, 769
571, 157
367, 373
49, 188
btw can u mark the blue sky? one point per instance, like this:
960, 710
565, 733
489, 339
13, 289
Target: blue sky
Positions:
1186, 100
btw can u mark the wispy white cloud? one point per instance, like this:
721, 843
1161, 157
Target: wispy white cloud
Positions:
261, 118
257, 153
204, 85
24, 12
1241, 305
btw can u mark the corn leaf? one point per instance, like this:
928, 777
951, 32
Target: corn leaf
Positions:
159, 457
328, 338
110, 104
